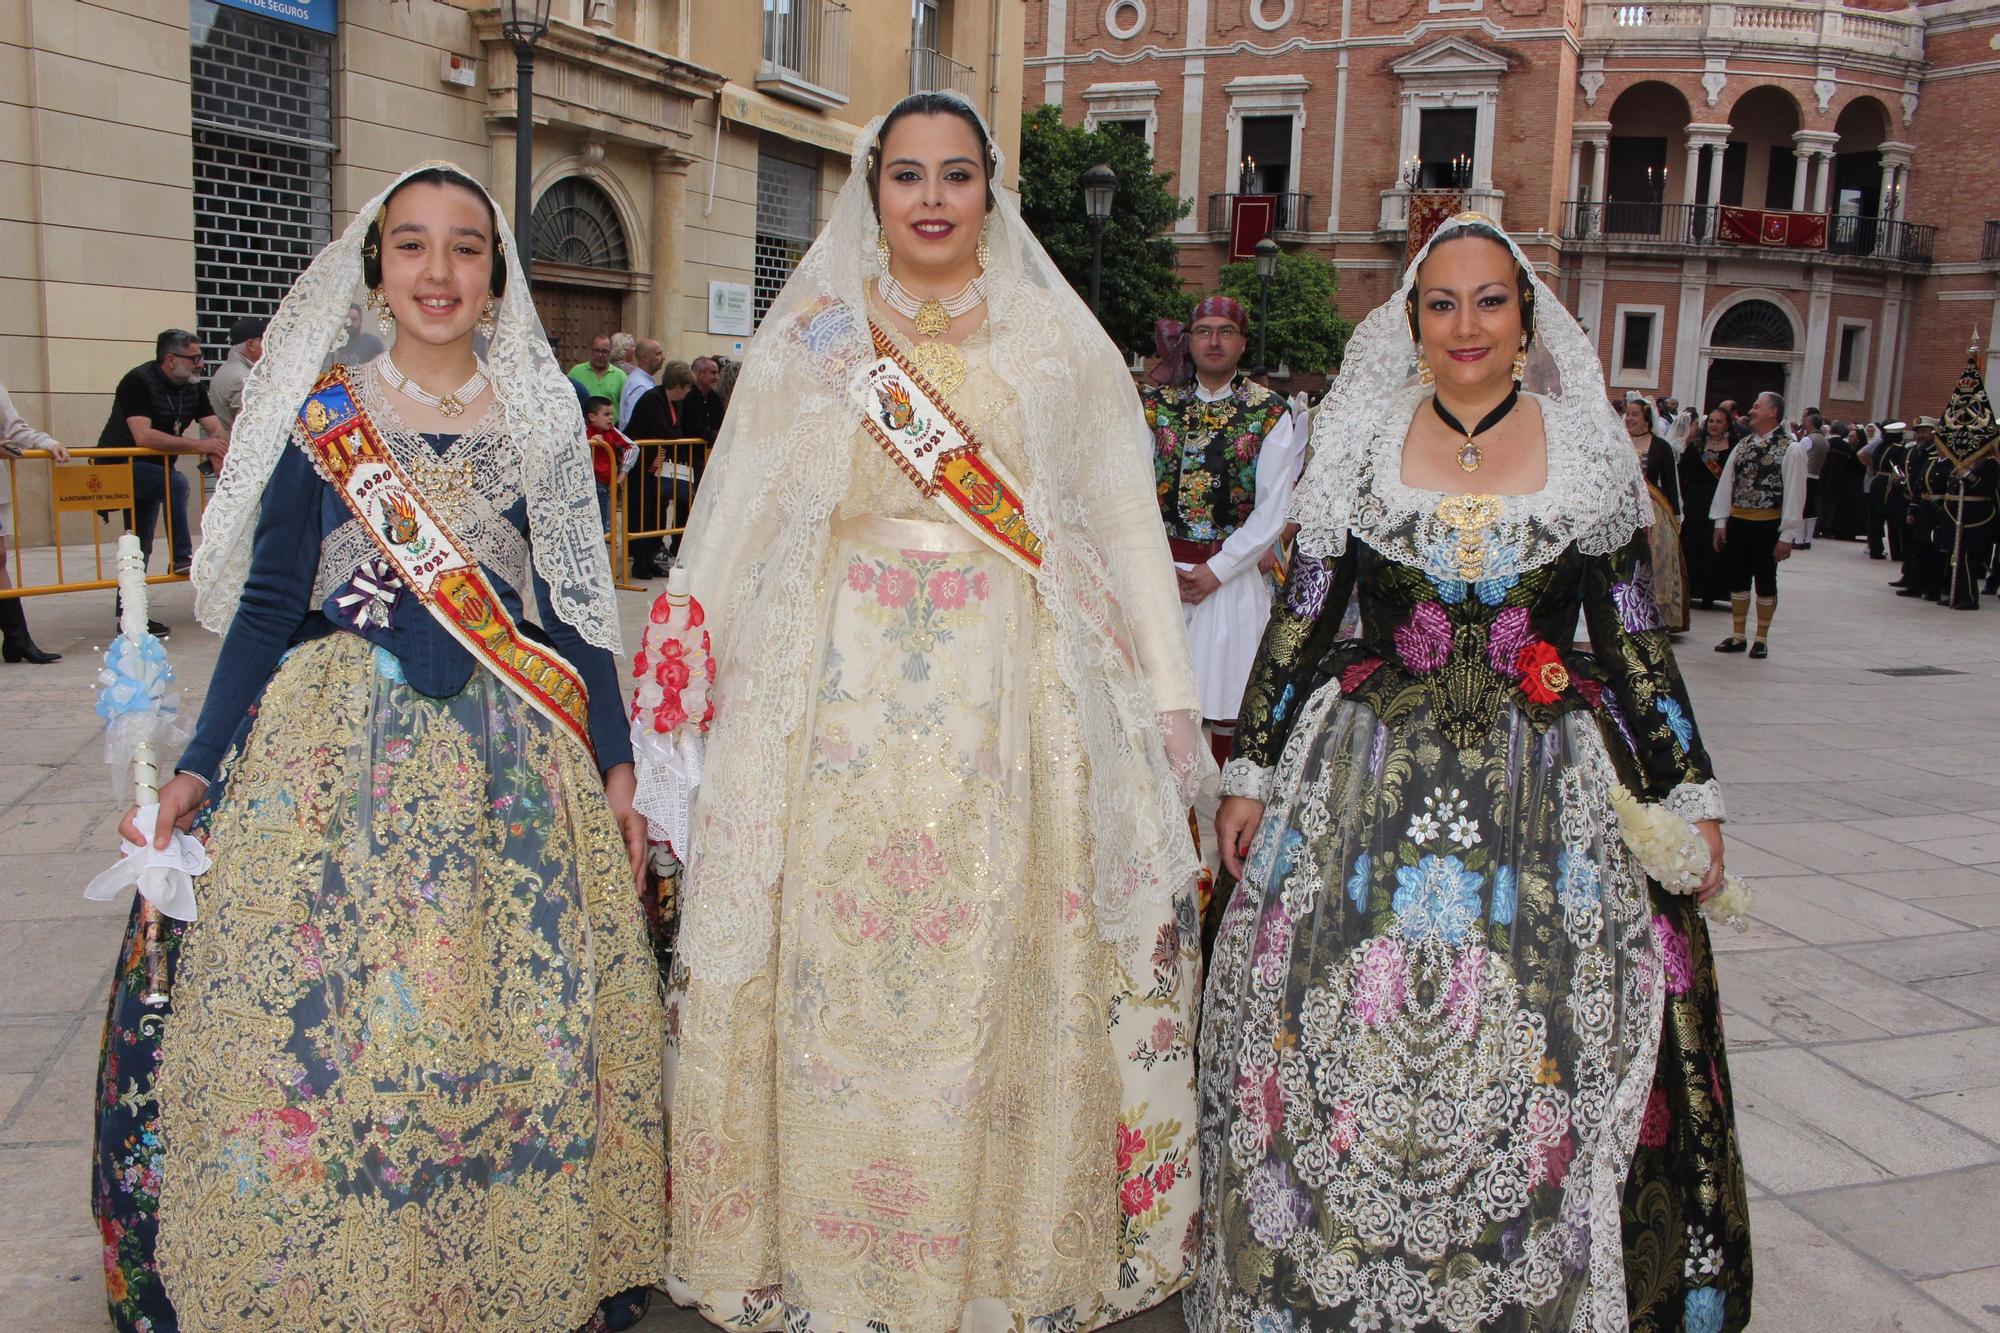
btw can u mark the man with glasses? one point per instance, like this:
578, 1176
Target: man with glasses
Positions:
1225, 457
599, 378
154, 405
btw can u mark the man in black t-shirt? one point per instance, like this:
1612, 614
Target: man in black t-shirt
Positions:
155, 403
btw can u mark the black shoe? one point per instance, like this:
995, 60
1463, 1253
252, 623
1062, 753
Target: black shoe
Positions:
1802, 546
1877, 555
21, 648
1732, 644
153, 627
1910, 592
181, 568
1898, 583
15, 645
1758, 649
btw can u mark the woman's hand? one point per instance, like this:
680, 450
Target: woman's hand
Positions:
620, 786
1235, 825
1711, 884
1721, 538
179, 799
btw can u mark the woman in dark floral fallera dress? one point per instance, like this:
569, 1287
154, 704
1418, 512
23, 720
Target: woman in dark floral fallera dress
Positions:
1439, 992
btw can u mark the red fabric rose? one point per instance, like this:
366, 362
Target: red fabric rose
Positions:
1136, 1196
1543, 676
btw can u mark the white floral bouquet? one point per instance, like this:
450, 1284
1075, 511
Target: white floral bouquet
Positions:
1672, 851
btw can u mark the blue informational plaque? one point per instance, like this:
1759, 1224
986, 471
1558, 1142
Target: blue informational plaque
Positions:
319, 15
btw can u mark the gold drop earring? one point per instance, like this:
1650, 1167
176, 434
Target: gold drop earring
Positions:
487, 321
385, 319
1521, 360
985, 251
882, 248
1424, 376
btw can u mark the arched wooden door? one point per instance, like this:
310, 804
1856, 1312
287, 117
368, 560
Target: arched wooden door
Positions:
573, 315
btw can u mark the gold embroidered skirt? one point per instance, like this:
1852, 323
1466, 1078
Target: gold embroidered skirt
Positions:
1670, 573
946, 1103
412, 1078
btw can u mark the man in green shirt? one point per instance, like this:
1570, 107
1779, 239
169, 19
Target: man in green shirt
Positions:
598, 376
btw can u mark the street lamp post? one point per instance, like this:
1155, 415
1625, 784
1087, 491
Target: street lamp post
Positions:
1267, 264
1100, 184
524, 22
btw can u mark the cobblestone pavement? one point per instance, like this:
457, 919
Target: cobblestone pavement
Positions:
1863, 1005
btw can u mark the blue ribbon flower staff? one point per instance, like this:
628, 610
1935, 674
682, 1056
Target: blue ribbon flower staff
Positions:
140, 705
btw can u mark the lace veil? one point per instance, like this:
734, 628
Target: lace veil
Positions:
1595, 496
759, 532
324, 320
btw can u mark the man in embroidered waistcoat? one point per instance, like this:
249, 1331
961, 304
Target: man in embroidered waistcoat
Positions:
1226, 456
1759, 512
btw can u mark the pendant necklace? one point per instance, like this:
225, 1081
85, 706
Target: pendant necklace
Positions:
447, 405
942, 364
1469, 456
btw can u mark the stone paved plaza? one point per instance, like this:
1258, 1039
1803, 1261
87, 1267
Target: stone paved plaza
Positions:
1863, 1005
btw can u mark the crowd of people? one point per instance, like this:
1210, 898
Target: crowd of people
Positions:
949, 1026
1746, 486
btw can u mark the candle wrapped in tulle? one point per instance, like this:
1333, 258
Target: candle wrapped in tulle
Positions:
671, 710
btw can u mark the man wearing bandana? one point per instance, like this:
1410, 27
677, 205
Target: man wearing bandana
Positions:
1225, 457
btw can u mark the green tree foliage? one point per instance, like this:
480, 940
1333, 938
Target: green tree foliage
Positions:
1139, 282
1306, 334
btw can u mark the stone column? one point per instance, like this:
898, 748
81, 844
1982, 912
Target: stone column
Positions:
1575, 167
1802, 160
500, 170
667, 305
1691, 174
1823, 183
1896, 159
1600, 162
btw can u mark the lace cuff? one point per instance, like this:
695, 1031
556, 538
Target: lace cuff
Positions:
1241, 777
1694, 801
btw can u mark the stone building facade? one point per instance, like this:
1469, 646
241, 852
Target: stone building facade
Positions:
1790, 194
177, 162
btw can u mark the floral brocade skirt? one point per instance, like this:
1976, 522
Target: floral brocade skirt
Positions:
410, 1078
1428, 1036
1670, 573
944, 1102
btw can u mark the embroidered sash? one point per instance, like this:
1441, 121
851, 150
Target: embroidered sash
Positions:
347, 449
937, 453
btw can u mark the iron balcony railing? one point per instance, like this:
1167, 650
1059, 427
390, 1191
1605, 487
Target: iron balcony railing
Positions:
1290, 214
935, 72
1989, 244
1642, 223
805, 51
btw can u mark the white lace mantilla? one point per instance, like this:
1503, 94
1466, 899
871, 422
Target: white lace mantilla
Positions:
757, 539
538, 413
1595, 496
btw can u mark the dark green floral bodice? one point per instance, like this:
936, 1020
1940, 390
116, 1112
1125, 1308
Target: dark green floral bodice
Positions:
1470, 632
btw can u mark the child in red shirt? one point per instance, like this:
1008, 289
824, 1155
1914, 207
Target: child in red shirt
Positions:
601, 418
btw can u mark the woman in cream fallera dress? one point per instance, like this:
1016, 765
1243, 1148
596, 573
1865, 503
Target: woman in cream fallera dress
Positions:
951, 1085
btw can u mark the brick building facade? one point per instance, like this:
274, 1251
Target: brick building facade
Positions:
1792, 194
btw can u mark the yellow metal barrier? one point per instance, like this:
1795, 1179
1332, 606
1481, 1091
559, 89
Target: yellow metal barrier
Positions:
669, 470
87, 487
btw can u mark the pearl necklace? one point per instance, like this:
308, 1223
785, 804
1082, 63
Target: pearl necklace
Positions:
932, 317
448, 405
